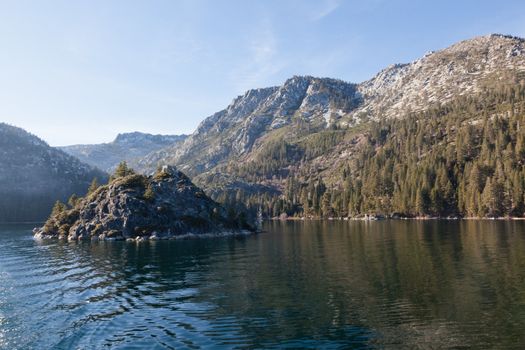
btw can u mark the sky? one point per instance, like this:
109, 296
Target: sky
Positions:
83, 71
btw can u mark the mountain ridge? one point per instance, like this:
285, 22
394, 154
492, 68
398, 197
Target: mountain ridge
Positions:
457, 67
314, 130
125, 147
321, 103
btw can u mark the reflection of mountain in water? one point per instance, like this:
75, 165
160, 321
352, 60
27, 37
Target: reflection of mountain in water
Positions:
393, 284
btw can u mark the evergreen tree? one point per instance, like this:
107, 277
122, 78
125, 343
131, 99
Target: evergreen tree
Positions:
73, 200
422, 201
93, 186
58, 208
122, 170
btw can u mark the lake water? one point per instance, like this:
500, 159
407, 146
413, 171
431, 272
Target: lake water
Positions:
385, 284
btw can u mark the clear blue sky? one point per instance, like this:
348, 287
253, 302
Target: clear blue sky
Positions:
82, 71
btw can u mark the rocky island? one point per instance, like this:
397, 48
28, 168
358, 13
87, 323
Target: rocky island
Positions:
138, 207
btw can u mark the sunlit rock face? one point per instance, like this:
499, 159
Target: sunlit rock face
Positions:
317, 102
436, 78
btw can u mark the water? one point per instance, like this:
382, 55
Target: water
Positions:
363, 285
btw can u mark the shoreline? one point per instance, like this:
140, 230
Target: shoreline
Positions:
422, 218
186, 236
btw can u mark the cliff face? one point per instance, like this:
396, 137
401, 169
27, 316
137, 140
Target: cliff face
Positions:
164, 205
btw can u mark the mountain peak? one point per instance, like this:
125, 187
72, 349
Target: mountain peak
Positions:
136, 136
485, 41
298, 79
463, 68
505, 36
8, 130
128, 136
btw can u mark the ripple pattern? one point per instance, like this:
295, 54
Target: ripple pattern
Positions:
333, 285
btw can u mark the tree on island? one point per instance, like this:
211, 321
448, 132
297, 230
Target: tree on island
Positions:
93, 186
122, 170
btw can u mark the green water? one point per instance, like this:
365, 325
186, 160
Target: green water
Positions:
385, 284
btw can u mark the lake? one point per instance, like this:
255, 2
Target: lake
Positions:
362, 285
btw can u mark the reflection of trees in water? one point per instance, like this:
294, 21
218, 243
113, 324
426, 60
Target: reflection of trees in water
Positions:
413, 281
446, 283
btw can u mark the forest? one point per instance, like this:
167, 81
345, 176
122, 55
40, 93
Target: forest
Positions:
465, 158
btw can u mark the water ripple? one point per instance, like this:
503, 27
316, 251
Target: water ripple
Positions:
300, 285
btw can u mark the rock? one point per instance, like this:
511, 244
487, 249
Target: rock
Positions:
128, 209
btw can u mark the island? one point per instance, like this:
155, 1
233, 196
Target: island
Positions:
131, 206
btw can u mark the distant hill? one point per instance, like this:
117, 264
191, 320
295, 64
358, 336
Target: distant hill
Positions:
34, 175
128, 147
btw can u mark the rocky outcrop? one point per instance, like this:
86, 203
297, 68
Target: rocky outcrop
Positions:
164, 205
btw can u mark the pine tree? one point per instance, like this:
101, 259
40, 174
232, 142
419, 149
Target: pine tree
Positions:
122, 170
73, 200
58, 208
93, 186
149, 194
326, 208
422, 201
492, 198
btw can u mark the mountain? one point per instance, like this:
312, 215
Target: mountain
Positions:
133, 206
315, 137
34, 175
312, 102
320, 103
464, 68
126, 147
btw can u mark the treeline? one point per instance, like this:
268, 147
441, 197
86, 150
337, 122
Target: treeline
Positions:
465, 158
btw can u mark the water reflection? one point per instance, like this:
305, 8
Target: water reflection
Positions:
395, 284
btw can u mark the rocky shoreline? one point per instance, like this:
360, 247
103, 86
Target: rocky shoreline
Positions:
38, 235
